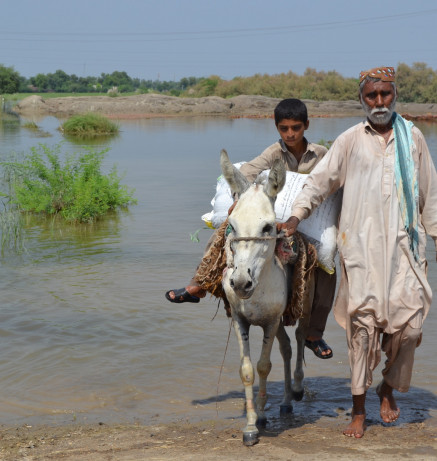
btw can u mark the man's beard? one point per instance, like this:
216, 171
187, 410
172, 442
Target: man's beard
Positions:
379, 115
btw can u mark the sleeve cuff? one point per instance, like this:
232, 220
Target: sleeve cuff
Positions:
299, 213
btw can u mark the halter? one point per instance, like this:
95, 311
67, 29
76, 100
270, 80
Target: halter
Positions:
230, 241
240, 239
268, 237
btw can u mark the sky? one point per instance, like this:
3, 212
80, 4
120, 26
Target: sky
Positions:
172, 39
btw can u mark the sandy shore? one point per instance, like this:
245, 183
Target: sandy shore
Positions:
218, 440
154, 105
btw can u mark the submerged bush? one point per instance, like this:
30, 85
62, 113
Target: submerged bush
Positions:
89, 125
75, 189
31, 126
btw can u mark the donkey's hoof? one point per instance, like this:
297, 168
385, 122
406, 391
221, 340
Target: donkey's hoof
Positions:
261, 421
298, 395
285, 409
250, 438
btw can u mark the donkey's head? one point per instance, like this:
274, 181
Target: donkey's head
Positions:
252, 223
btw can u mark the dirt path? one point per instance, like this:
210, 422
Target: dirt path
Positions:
218, 440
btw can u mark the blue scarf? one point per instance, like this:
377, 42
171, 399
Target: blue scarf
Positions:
406, 180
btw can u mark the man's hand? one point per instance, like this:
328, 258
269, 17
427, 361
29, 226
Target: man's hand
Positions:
289, 227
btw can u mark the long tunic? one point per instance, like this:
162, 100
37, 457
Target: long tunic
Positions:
380, 278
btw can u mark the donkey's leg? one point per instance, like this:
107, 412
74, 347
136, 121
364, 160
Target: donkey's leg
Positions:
264, 366
298, 371
301, 334
285, 349
250, 432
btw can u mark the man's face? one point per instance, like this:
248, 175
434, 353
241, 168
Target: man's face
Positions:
292, 131
378, 100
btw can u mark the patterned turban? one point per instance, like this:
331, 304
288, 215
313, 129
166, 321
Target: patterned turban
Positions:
385, 74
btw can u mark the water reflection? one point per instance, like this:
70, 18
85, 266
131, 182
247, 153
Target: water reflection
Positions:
47, 238
97, 140
9, 123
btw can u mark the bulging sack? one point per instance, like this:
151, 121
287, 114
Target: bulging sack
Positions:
320, 227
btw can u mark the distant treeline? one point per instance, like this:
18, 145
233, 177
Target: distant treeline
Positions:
416, 83
60, 82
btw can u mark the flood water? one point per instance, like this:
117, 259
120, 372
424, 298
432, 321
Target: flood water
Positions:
85, 331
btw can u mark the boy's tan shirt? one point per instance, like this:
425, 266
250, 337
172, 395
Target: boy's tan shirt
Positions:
264, 161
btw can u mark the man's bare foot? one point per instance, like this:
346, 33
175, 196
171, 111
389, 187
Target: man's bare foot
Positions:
356, 427
389, 411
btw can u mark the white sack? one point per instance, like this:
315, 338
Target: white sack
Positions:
320, 227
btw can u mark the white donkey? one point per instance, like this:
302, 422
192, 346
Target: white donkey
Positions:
256, 286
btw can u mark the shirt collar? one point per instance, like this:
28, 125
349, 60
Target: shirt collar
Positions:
284, 149
368, 127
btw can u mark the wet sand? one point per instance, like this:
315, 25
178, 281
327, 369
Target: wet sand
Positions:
218, 440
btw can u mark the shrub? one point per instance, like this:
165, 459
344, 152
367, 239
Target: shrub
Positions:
75, 189
89, 125
32, 126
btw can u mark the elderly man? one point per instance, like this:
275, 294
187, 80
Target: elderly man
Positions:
389, 204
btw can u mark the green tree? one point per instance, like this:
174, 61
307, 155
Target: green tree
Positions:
59, 81
9, 80
118, 79
416, 83
40, 81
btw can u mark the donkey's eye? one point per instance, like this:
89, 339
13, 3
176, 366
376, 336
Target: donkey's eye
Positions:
228, 230
267, 229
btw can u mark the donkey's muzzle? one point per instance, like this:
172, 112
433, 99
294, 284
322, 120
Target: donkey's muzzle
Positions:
242, 286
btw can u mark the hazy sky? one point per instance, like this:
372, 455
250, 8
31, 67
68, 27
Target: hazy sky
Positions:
171, 39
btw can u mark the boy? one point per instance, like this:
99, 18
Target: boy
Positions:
298, 155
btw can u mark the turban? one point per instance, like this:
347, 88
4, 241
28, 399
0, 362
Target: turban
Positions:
385, 74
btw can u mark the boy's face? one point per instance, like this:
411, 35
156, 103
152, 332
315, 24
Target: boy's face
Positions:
292, 131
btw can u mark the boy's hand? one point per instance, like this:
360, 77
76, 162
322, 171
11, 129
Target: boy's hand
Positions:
289, 227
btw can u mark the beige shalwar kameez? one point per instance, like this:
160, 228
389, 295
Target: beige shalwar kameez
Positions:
382, 289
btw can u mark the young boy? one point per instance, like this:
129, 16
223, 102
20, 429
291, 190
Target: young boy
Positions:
298, 155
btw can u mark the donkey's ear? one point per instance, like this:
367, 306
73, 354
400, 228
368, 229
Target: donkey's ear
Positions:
276, 180
236, 180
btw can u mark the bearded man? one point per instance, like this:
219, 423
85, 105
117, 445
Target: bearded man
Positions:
389, 205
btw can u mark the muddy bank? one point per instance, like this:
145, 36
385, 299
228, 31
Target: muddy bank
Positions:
153, 105
216, 441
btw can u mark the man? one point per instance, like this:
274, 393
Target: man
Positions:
299, 155
389, 202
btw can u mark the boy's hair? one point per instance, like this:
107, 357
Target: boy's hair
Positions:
291, 108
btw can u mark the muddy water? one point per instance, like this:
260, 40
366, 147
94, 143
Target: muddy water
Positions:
85, 331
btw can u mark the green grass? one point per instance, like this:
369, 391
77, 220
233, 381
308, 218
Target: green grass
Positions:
325, 143
90, 124
36, 130
31, 126
75, 188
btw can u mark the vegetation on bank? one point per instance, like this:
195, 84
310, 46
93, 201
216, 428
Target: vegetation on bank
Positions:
74, 188
89, 125
416, 83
